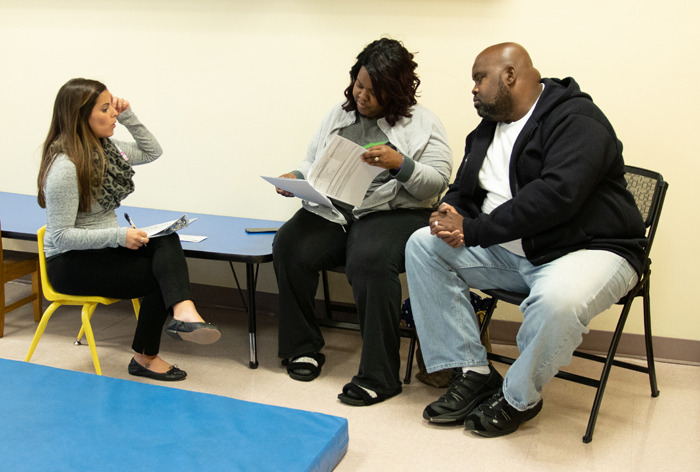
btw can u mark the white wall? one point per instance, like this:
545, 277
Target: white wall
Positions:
235, 89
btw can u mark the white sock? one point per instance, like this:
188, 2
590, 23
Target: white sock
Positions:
372, 393
308, 360
479, 369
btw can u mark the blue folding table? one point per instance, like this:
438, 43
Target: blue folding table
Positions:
227, 240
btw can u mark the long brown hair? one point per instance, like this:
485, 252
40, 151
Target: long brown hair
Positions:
70, 133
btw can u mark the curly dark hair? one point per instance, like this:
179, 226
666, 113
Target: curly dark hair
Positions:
393, 73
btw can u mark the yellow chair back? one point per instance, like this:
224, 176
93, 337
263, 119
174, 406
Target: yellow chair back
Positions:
51, 294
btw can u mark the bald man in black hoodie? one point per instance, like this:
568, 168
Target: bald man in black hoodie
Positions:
539, 206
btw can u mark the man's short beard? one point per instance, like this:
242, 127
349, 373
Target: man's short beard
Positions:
501, 107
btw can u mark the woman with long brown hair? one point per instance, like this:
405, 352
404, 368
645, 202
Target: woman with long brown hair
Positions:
84, 175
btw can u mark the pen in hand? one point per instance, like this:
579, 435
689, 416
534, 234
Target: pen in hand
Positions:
126, 215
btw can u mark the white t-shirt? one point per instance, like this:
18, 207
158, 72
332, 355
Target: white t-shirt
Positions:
494, 174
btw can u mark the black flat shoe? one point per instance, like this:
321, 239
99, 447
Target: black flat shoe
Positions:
200, 333
170, 376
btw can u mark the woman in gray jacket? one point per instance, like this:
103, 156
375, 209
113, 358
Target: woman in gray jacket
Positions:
84, 175
409, 142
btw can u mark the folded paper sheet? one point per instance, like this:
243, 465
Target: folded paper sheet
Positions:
339, 173
169, 227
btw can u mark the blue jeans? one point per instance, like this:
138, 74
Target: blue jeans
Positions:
564, 295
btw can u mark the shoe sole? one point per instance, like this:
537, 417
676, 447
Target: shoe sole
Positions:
198, 336
354, 401
459, 415
495, 434
348, 400
147, 376
320, 359
150, 376
303, 377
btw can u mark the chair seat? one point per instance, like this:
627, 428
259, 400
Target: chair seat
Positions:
12, 257
80, 300
514, 298
18, 264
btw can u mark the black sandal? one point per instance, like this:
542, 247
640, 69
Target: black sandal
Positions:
357, 396
306, 371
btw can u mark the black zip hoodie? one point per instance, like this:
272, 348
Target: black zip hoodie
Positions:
567, 177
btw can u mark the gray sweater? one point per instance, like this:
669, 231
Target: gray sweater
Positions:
68, 229
427, 162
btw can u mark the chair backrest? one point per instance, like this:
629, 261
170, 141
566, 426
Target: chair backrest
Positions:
49, 293
649, 191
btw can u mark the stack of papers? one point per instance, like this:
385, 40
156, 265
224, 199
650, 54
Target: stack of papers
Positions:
340, 173
169, 227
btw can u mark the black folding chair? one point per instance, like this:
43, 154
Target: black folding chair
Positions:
649, 190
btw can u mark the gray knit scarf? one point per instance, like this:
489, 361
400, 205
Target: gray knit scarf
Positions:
117, 182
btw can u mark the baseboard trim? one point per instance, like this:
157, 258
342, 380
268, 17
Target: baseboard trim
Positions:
227, 297
680, 351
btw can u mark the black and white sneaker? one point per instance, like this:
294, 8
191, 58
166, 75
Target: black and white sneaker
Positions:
496, 417
465, 392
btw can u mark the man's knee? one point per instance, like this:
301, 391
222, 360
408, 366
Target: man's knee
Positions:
560, 307
420, 244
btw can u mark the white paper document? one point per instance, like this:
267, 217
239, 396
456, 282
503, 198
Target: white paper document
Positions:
339, 173
300, 188
169, 227
191, 238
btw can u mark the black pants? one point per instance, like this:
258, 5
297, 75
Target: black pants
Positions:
157, 272
372, 250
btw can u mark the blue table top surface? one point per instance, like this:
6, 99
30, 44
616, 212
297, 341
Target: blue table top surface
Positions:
21, 216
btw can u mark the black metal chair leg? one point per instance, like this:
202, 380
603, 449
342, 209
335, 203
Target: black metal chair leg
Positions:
409, 361
487, 317
588, 437
326, 295
648, 339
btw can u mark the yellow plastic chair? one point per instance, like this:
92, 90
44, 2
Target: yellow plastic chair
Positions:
89, 304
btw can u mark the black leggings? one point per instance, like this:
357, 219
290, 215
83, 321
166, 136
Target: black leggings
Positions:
372, 251
157, 272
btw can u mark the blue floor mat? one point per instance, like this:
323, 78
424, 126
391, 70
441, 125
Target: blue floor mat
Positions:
59, 420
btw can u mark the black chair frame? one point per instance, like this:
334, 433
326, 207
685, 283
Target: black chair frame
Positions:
650, 204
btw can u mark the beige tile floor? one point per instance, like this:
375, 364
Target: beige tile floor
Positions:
634, 432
